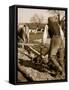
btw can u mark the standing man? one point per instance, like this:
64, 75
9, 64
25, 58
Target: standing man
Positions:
26, 34
56, 52
45, 34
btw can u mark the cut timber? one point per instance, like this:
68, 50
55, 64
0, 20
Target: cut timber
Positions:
34, 75
34, 51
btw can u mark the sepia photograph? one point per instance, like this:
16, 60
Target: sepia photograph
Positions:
41, 48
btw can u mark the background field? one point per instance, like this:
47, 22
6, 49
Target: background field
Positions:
37, 36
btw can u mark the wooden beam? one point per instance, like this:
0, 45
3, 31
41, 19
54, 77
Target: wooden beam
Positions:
34, 51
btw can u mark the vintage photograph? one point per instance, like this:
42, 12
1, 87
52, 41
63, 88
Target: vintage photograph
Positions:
40, 44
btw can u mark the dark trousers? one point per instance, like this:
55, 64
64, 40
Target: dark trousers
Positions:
56, 53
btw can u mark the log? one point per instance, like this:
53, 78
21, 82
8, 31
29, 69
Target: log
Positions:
23, 71
34, 51
34, 75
